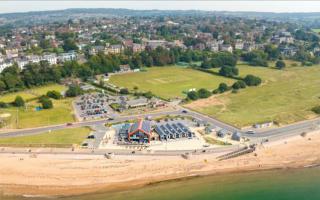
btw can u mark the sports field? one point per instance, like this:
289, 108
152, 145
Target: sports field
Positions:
59, 138
168, 82
285, 96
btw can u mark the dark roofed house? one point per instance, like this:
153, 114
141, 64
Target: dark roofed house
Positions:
140, 131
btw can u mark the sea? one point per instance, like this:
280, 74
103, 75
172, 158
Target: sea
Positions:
282, 184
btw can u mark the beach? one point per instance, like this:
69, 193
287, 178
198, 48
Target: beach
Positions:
63, 175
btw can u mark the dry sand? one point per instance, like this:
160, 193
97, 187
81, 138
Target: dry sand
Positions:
77, 174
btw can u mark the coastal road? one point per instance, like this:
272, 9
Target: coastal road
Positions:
33, 131
297, 128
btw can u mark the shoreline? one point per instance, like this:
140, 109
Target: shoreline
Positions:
73, 175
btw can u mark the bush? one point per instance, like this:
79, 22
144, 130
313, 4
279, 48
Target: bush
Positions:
239, 85
280, 64
19, 102
3, 105
46, 103
216, 91
223, 87
54, 94
252, 80
193, 95
148, 95
229, 71
204, 93
124, 91
316, 109
73, 91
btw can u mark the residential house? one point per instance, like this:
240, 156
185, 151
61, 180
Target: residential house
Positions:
137, 47
12, 53
67, 57
239, 45
114, 49
51, 58
124, 68
226, 47
5, 64
153, 44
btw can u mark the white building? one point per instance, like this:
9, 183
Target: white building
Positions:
226, 47
67, 57
4, 65
51, 58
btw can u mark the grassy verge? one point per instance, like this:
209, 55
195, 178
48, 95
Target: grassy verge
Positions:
285, 96
28, 117
60, 138
32, 93
211, 140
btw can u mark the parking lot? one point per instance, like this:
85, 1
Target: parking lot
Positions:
92, 106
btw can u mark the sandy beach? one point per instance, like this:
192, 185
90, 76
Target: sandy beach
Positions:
79, 174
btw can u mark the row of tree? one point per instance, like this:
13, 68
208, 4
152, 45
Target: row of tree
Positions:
249, 80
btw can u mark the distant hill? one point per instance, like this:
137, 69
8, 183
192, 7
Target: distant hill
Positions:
311, 19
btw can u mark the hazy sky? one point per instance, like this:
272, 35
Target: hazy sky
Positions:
267, 6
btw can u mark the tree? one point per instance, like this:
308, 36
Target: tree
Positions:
316, 109
19, 102
280, 64
73, 91
2, 86
204, 93
46, 102
239, 85
124, 91
148, 95
54, 94
69, 45
223, 87
193, 95
252, 80
228, 71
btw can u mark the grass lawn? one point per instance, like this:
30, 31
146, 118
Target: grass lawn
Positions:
285, 96
32, 93
58, 138
28, 117
170, 81
316, 30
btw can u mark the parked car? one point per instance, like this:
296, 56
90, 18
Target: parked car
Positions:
250, 132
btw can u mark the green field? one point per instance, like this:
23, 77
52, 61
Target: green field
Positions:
285, 96
316, 30
169, 82
31, 93
59, 138
28, 117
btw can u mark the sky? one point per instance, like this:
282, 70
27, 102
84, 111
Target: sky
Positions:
227, 5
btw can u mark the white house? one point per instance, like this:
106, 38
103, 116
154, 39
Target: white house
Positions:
226, 47
4, 65
67, 56
51, 58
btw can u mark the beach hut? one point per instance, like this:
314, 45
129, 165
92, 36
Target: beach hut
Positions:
236, 136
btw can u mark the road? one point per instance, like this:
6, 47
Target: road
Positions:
297, 128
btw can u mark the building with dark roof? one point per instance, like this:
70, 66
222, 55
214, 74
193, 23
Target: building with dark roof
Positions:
140, 132
236, 136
